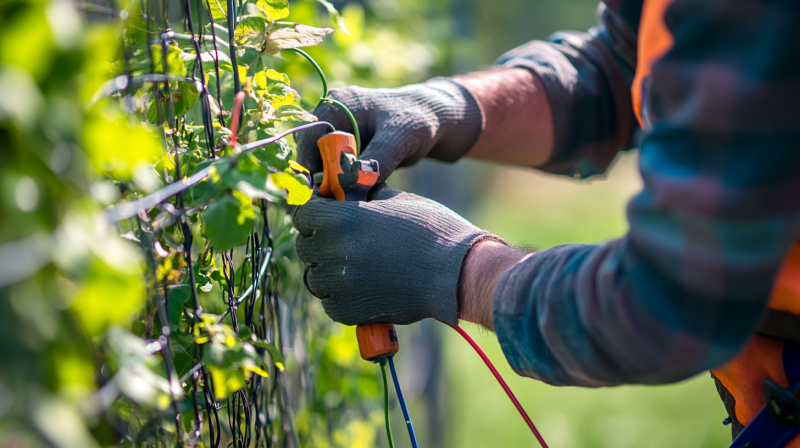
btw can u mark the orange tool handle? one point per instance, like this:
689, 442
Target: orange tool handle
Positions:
375, 341
356, 183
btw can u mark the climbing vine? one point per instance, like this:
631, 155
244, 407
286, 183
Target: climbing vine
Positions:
160, 287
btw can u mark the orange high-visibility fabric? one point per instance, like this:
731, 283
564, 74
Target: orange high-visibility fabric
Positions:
655, 41
762, 357
744, 375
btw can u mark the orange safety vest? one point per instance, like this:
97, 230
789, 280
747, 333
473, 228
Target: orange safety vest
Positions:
740, 381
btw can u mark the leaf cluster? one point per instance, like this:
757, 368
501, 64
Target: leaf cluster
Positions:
150, 330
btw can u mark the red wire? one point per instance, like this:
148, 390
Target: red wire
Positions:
503, 384
238, 100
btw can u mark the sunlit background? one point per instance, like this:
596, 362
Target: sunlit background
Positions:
455, 401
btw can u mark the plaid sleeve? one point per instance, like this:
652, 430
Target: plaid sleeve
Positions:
588, 79
686, 287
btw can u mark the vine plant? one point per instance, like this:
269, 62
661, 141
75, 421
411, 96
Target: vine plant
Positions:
167, 129
214, 238
108, 111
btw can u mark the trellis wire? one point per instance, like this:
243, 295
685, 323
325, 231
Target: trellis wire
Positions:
247, 409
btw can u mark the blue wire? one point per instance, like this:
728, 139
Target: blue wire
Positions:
403, 405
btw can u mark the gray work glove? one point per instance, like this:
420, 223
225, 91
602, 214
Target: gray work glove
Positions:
438, 119
396, 259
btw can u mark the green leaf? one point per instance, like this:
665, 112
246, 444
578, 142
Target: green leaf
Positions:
203, 281
275, 155
274, 9
204, 191
294, 112
219, 9
107, 297
226, 381
225, 227
117, 145
184, 97
175, 64
217, 276
152, 112
295, 185
137, 377
208, 58
251, 30
336, 18
248, 170
280, 90
246, 55
255, 193
245, 333
223, 61
295, 36
266, 78
277, 76
177, 297
277, 358
257, 370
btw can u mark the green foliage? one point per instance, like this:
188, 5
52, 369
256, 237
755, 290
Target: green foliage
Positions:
228, 222
117, 145
274, 9
101, 285
152, 329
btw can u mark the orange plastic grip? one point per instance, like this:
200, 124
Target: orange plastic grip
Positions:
376, 341
331, 147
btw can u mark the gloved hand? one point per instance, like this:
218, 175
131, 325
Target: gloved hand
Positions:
398, 127
396, 259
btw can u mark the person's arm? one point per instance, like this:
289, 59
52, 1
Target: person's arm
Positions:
517, 119
687, 286
484, 265
561, 105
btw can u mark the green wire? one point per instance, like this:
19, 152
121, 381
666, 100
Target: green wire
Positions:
386, 402
332, 101
352, 121
316, 67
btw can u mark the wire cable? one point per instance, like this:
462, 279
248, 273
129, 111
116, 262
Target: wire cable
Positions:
403, 405
350, 117
316, 68
502, 383
386, 403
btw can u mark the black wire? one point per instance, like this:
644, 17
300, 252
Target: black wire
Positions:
216, 61
232, 19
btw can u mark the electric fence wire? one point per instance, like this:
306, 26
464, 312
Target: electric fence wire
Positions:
386, 403
247, 408
503, 384
403, 405
239, 409
331, 101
